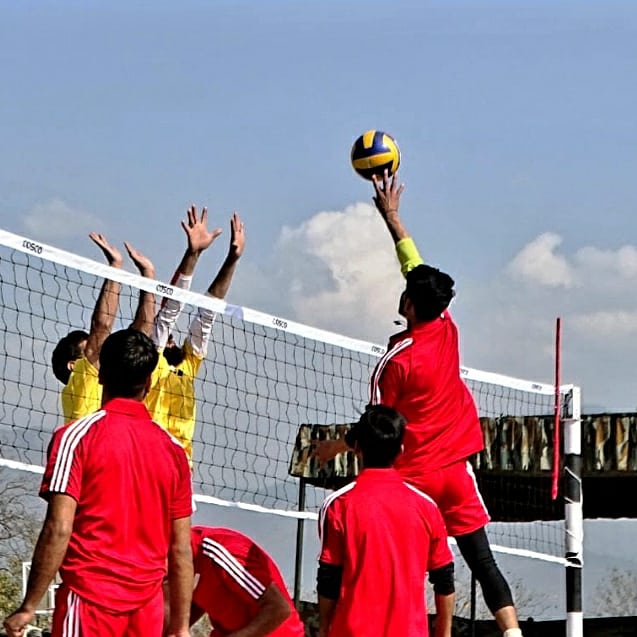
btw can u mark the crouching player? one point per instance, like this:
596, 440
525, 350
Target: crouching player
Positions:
239, 587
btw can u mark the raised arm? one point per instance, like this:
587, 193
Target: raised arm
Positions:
106, 306
221, 283
387, 199
201, 325
145, 314
199, 239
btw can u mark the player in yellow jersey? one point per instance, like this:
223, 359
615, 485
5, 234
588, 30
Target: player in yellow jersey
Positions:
75, 359
171, 400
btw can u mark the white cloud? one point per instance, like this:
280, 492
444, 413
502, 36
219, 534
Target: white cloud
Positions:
342, 273
55, 219
613, 325
538, 263
592, 290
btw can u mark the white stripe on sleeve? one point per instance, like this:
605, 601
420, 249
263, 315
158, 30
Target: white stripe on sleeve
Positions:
221, 556
375, 396
70, 440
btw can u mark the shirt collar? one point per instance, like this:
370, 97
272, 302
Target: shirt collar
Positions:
128, 406
374, 474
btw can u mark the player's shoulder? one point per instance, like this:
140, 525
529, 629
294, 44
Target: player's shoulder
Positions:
76, 431
84, 422
83, 368
165, 438
234, 542
338, 497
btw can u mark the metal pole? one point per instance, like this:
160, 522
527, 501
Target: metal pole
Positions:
574, 518
298, 560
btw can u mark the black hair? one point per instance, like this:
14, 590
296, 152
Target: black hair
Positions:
430, 291
379, 435
68, 349
127, 359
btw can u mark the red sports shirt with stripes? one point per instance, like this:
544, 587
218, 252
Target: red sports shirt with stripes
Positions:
386, 535
419, 376
130, 480
232, 573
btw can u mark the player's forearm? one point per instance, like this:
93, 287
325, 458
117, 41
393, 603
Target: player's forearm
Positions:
408, 255
326, 612
180, 578
188, 262
221, 283
106, 307
395, 226
47, 559
445, 605
169, 311
145, 314
273, 611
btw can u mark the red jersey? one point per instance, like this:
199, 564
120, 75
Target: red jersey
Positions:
130, 480
386, 535
231, 575
419, 376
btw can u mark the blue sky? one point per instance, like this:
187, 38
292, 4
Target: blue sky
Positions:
516, 122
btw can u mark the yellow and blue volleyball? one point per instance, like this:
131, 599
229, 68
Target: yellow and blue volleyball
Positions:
373, 153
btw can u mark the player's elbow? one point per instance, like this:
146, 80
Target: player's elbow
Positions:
281, 613
274, 606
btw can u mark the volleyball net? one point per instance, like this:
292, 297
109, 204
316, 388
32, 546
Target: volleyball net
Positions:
264, 377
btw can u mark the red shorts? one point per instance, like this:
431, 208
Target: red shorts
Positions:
76, 617
454, 490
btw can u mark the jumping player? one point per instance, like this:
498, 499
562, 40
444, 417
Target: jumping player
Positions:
380, 537
239, 587
119, 493
171, 400
75, 359
420, 377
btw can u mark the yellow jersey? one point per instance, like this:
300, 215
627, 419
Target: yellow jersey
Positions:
171, 399
82, 395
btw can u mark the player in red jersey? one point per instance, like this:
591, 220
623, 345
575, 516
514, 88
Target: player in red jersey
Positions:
380, 537
420, 377
118, 518
239, 587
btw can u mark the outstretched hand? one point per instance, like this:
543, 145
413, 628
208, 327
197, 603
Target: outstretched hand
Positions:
388, 192
237, 236
143, 263
112, 254
196, 229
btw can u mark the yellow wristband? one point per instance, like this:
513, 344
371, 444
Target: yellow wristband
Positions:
408, 255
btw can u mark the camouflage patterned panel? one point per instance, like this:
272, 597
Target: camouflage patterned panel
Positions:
516, 443
525, 443
335, 473
610, 442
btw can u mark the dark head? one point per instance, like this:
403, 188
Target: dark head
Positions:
378, 436
127, 360
427, 295
66, 352
173, 353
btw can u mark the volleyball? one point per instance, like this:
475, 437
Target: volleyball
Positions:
373, 153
